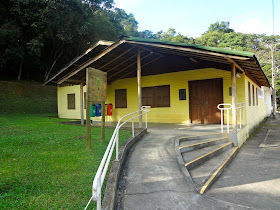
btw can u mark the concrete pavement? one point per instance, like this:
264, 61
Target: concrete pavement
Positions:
152, 179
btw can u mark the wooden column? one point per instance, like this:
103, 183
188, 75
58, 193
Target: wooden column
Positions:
233, 88
139, 85
88, 124
82, 103
103, 121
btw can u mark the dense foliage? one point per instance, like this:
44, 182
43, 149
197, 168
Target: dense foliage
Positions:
38, 37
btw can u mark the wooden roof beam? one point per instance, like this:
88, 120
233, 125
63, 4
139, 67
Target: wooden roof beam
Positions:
123, 62
141, 66
234, 63
116, 58
87, 63
129, 65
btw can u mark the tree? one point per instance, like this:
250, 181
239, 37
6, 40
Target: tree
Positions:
222, 26
38, 37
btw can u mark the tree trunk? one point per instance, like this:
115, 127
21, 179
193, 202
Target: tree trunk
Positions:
49, 70
20, 70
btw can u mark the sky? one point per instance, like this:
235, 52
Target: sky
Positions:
193, 17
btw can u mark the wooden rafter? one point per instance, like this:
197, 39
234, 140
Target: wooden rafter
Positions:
142, 66
233, 62
130, 58
130, 65
116, 58
87, 63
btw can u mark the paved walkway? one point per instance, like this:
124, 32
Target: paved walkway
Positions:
152, 178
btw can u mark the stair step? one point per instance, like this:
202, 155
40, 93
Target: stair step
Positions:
197, 157
213, 176
191, 145
204, 136
201, 173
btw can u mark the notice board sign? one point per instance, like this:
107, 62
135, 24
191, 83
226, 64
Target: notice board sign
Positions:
96, 85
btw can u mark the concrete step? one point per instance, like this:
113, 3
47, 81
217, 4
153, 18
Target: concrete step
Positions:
186, 146
204, 136
214, 174
200, 174
194, 158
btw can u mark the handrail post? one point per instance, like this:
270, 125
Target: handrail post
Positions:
132, 125
117, 145
228, 120
146, 120
222, 122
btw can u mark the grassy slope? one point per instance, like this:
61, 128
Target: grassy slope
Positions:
44, 164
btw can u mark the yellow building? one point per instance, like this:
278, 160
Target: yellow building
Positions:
182, 83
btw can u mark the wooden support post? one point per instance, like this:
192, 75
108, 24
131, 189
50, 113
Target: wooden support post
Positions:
82, 103
139, 85
233, 88
103, 121
88, 124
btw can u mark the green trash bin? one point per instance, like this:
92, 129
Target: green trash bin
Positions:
92, 110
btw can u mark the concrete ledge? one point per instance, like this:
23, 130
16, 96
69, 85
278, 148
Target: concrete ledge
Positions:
182, 166
109, 198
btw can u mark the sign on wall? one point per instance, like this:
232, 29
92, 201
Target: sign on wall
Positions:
96, 85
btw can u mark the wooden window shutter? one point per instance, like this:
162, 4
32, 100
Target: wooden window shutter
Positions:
71, 101
121, 98
253, 93
158, 96
162, 96
148, 96
249, 93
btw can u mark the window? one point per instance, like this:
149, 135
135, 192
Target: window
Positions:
71, 101
253, 93
182, 94
249, 93
158, 96
257, 97
120, 98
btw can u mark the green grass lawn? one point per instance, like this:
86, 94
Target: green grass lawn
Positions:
44, 164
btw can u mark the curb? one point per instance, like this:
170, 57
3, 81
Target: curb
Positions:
110, 194
182, 166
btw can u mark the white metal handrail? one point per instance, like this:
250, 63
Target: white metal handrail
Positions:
103, 167
241, 106
222, 118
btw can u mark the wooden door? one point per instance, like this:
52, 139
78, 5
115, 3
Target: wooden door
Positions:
204, 96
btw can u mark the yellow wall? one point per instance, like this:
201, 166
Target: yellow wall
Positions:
254, 114
178, 112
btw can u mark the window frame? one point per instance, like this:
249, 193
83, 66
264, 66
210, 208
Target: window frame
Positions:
249, 93
158, 94
71, 106
120, 105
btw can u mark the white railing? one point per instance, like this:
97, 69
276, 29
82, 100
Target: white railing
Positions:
222, 115
103, 167
241, 107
